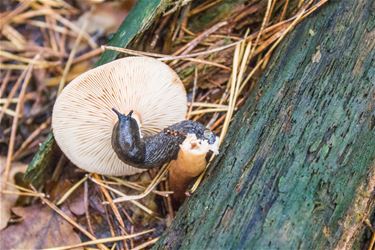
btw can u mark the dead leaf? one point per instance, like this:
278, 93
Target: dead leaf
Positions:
8, 200
76, 202
41, 228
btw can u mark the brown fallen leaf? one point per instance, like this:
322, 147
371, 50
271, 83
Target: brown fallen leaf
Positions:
76, 202
8, 200
41, 228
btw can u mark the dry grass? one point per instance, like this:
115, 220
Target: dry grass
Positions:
42, 50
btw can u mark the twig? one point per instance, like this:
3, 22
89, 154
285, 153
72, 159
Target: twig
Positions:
203, 7
100, 241
285, 8
146, 244
137, 187
194, 90
5, 82
96, 179
168, 57
152, 185
12, 93
70, 59
86, 204
193, 43
21, 193
20, 8
15, 120
68, 219
30, 138
163, 57
71, 190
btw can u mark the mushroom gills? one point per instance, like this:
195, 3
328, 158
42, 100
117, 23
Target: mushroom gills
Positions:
156, 150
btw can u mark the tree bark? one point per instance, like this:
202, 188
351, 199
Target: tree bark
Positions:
297, 169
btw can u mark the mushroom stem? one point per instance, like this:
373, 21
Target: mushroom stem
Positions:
190, 162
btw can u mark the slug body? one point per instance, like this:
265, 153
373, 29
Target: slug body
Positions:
153, 151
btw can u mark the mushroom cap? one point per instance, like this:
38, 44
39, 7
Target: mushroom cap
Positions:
82, 119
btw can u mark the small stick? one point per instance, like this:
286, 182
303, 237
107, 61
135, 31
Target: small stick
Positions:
70, 59
194, 90
21, 193
169, 57
71, 190
264, 22
86, 204
204, 111
20, 8
12, 93
146, 244
51, 35
71, 221
193, 43
203, 7
5, 82
110, 201
30, 138
14, 36
88, 55
15, 121
59, 29
137, 186
163, 57
100, 241
158, 178
285, 8
136, 203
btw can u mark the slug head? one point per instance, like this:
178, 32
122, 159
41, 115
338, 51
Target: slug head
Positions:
126, 139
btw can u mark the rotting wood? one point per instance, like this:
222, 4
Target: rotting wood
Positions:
297, 168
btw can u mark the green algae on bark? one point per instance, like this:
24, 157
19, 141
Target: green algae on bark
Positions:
297, 169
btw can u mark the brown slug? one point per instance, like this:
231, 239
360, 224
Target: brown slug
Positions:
156, 150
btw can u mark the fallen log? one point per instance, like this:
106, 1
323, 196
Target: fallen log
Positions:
297, 169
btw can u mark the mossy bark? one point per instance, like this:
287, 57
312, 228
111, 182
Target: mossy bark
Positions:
297, 169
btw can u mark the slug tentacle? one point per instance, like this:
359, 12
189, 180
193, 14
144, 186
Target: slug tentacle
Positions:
153, 151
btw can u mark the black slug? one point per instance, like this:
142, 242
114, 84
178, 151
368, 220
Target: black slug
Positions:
152, 151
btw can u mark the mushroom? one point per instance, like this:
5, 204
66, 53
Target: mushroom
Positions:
83, 120
149, 101
128, 116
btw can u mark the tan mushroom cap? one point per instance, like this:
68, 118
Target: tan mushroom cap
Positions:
82, 119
